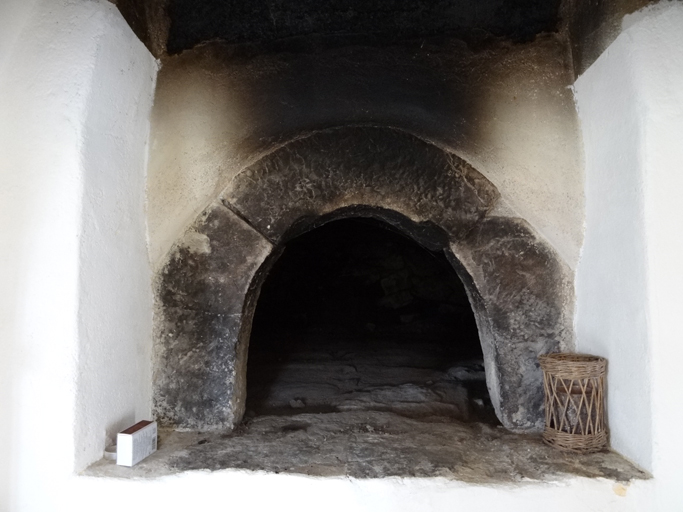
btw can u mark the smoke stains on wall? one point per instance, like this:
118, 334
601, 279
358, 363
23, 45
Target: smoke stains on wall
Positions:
149, 21
194, 22
173, 26
592, 26
258, 135
503, 107
490, 84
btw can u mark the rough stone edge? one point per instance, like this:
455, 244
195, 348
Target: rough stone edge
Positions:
460, 169
460, 255
161, 322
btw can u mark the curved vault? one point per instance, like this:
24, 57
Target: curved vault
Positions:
207, 290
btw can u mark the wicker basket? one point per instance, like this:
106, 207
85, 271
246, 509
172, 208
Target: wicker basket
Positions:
574, 402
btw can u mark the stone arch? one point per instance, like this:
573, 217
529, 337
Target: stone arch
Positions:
206, 293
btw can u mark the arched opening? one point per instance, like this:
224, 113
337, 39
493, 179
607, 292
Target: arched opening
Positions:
356, 316
207, 290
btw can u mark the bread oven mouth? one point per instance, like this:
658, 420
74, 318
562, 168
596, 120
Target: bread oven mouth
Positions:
356, 316
518, 288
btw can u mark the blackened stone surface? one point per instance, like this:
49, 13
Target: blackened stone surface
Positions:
201, 309
519, 288
427, 234
375, 167
522, 297
240, 21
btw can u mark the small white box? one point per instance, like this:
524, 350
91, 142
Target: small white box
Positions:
136, 443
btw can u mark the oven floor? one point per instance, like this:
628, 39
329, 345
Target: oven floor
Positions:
381, 407
372, 444
331, 372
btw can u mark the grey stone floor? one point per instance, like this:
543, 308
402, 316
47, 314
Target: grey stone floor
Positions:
372, 444
380, 408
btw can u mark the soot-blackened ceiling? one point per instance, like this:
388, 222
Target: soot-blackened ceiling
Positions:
177, 25
240, 21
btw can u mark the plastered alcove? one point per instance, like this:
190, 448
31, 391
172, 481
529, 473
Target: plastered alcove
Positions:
59, 53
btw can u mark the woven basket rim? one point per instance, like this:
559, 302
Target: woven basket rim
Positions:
571, 357
569, 365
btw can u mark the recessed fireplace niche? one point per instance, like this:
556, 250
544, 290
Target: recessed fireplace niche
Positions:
206, 294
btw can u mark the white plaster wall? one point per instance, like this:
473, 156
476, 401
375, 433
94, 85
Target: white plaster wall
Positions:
115, 300
72, 159
260, 492
14, 15
629, 279
611, 282
658, 67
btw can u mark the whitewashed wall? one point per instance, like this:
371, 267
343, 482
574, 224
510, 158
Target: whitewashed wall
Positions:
76, 90
612, 281
115, 294
630, 276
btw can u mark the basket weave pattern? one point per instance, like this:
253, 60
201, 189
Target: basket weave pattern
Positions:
574, 402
